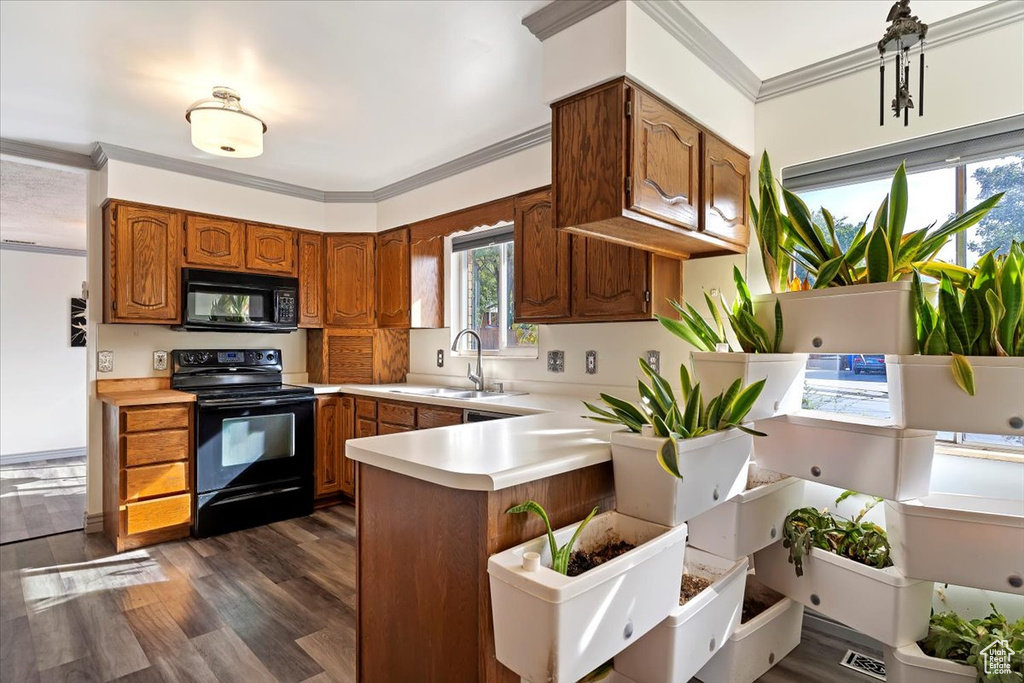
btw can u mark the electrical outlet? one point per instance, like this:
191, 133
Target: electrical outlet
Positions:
159, 360
440, 358
105, 361
591, 366
654, 360
556, 361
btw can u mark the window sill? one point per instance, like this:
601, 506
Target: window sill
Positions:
978, 453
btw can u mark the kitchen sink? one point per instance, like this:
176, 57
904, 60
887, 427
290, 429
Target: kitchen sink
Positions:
451, 392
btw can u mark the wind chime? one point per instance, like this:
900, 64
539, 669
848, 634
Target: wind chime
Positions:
905, 30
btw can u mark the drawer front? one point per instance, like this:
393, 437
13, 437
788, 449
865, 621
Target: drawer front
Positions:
393, 429
396, 414
158, 513
152, 447
365, 428
438, 417
366, 408
148, 419
155, 480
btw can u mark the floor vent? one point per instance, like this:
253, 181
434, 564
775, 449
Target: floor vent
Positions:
869, 666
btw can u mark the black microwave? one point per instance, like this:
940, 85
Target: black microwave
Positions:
216, 301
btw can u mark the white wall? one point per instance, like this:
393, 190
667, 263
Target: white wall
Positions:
42, 377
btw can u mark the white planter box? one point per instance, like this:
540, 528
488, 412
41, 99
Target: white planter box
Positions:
782, 393
551, 627
747, 522
714, 469
680, 645
856, 453
923, 395
880, 603
908, 664
875, 318
757, 645
963, 540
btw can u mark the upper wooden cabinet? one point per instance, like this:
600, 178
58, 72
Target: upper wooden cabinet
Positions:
628, 168
426, 279
351, 282
542, 256
726, 186
393, 274
142, 264
270, 249
214, 242
311, 279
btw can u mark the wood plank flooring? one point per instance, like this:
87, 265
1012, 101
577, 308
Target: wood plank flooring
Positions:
275, 603
41, 498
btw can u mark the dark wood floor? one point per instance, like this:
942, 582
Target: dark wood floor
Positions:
41, 497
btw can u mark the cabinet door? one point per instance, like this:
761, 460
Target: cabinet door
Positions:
365, 427
350, 280
311, 280
426, 285
610, 281
270, 250
393, 305
665, 168
348, 467
542, 253
214, 243
328, 471
726, 188
144, 265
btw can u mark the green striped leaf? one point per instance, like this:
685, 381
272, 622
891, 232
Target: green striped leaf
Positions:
828, 271
777, 342
897, 208
963, 373
667, 458
879, 257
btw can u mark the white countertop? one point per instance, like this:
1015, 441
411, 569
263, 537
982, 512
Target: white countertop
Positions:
512, 404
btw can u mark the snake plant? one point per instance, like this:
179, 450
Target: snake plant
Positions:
808, 528
693, 329
984, 318
679, 420
559, 555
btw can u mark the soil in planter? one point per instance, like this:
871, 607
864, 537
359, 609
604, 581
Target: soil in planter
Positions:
581, 561
756, 599
691, 587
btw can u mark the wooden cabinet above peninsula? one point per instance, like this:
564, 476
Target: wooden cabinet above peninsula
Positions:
628, 168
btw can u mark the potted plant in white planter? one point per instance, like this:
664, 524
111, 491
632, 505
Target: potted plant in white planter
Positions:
970, 377
678, 459
843, 570
558, 615
864, 282
716, 363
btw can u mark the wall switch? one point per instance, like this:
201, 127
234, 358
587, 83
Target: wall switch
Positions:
159, 360
556, 361
440, 358
591, 366
654, 360
105, 361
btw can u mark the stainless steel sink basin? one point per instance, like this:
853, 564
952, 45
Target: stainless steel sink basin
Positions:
451, 392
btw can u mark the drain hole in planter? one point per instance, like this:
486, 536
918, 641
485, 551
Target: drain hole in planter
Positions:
816, 342
772, 533
815, 600
1016, 422
714, 494
711, 647
627, 632
1016, 581
771, 658
816, 471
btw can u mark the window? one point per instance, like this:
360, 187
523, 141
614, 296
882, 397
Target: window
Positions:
482, 275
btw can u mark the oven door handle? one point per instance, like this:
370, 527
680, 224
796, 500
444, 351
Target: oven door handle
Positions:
250, 403
254, 494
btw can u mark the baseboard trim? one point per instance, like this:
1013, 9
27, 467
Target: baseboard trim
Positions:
19, 458
819, 623
93, 523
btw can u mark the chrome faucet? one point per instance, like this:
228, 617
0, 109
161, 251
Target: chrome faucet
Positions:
478, 378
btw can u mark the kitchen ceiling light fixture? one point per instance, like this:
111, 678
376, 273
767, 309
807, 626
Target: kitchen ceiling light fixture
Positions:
904, 31
220, 126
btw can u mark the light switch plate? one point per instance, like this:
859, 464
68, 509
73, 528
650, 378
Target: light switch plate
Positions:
654, 360
440, 358
105, 361
591, 366
556, 361
159, 360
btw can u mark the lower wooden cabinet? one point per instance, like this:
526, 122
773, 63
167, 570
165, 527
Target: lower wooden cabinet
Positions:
333, 473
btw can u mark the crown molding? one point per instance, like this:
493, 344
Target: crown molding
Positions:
560, 15
984, 18
30, 150
41, 249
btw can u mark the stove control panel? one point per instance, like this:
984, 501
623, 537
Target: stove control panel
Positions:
226, 358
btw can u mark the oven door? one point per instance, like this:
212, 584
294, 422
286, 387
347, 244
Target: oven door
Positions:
241, 442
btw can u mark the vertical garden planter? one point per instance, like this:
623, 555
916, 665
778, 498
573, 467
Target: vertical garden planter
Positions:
880, 603
678, 647
963, 540
552, 627
908, 664
923, 395
749, 520
783, 391
875, 318
759, 644
714, 469
852, 453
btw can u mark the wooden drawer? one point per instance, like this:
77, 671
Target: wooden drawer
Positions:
155, 480
365, 428
147, 448
158, 513
396, 414
386, 428
149, 419
366, 408
435, 416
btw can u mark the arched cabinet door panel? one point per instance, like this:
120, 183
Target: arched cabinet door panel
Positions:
542, 258
214, 243
351, 279
142, 264
726, 187
269, 249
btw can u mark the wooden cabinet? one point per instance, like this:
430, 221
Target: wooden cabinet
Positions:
334, 426
726, 188
393, 274
311, 279
214, 242
542, 256
426, 280
610, 280
629, 168
350, 280
373, 417
357, 356
269, 249
142, 264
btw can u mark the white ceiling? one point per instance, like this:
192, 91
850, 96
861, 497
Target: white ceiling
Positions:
774, 37
42, 205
